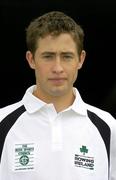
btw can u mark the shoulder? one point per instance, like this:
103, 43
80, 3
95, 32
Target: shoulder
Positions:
8, 109
103, 115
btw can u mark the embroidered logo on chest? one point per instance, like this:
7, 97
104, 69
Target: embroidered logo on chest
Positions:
83, 160
24, 157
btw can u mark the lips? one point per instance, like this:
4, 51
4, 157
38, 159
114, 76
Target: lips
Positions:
58, 80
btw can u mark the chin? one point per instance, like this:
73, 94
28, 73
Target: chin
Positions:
59, 92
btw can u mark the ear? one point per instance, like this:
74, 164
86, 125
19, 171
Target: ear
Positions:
81, 59
30, 59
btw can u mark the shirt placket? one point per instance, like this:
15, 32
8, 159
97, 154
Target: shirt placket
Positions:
56, 129
56, 135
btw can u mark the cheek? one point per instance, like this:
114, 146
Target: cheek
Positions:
42, 71
73, 70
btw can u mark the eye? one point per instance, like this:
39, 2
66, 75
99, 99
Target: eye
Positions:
48, 57
67, 57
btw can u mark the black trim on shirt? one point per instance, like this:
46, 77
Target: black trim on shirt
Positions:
7, 123
103, 129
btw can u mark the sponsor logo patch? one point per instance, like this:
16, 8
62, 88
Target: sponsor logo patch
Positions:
84, 161
24, 157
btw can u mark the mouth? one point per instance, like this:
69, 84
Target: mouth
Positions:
57, 81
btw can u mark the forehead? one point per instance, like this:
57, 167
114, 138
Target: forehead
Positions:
63, 41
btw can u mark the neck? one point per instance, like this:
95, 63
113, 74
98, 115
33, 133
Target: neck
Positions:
60, 102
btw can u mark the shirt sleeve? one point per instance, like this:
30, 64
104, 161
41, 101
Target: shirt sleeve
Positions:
113, 152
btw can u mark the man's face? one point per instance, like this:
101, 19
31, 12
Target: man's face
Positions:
56, 63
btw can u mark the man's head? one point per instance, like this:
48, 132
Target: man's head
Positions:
55, 52
53, 23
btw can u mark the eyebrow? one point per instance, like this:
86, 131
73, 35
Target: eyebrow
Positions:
48, 52
53, 53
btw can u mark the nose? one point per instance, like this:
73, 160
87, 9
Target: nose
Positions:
57, 67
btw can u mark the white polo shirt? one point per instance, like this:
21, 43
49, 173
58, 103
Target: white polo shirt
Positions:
37, 143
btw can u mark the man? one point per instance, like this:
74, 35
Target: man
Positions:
51, 134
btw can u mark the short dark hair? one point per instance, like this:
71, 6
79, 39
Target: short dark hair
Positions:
53, 23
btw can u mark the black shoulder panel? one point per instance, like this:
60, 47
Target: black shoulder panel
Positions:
103, 129
7, 123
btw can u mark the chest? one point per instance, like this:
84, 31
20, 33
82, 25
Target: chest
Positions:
66, 147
